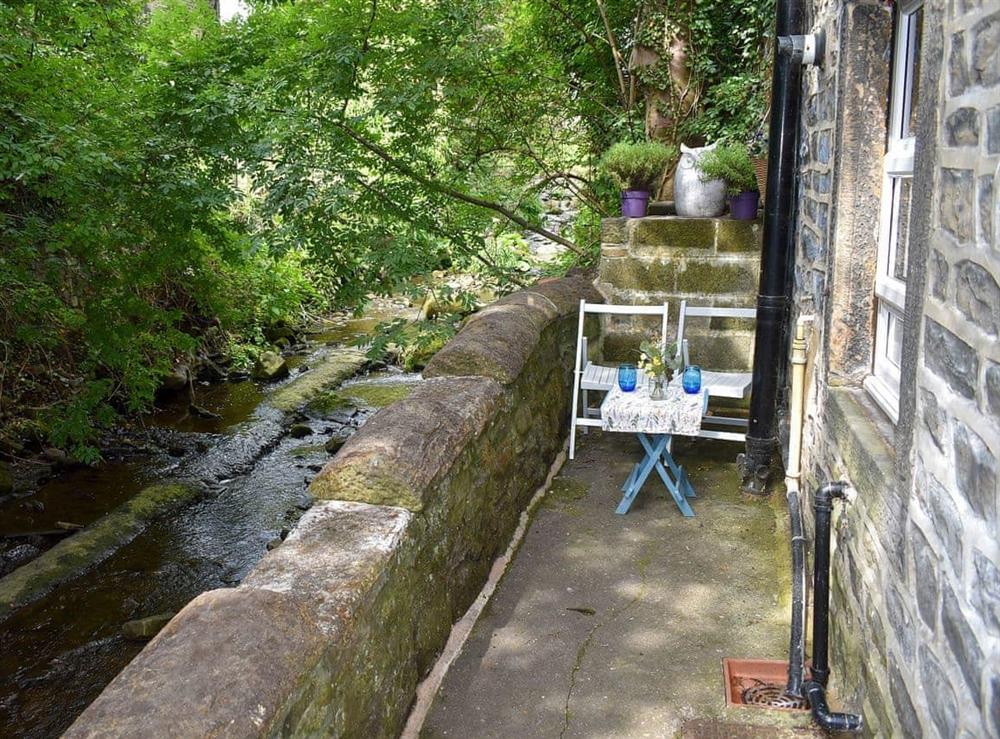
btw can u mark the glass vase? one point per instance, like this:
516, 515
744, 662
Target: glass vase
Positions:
691, 379
657, 391
626, 377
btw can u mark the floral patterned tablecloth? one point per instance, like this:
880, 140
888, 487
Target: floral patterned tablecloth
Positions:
634, 412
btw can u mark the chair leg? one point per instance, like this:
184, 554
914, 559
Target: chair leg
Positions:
586, 409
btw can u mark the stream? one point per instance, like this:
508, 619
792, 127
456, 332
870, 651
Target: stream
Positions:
253, 461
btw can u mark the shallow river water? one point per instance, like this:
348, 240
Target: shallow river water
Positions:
60, 651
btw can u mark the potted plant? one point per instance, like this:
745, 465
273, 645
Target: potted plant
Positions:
731, 162
655, 360
637, 168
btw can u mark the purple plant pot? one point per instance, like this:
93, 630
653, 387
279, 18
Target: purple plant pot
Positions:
743, 207
635, 203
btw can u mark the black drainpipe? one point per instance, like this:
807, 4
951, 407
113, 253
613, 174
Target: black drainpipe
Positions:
814, 689
778, 250
797, 646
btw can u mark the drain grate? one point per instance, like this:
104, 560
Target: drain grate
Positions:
769, 695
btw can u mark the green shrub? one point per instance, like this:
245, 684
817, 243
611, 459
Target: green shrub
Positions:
638, 166
729, 162
733, 111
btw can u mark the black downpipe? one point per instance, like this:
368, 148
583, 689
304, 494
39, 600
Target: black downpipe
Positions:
815, 687
797, 646
777, 253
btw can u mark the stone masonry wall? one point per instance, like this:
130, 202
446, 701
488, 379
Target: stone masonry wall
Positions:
708, 261
952, 585
916, 571
330, 633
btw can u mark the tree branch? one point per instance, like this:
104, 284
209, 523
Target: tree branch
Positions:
619, 62
450, 192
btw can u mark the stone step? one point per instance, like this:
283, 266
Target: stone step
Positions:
712, 350
682, 275
662, 234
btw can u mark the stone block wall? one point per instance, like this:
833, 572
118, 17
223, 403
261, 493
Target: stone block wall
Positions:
707, 261
331, 631
916, 571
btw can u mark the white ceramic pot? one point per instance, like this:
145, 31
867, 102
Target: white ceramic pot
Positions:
692, 196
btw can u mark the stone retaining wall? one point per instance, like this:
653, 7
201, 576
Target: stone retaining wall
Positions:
330, 633
708, 261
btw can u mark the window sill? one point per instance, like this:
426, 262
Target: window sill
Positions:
863, 436
883, 397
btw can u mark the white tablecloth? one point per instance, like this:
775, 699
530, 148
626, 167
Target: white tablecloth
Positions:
680, 413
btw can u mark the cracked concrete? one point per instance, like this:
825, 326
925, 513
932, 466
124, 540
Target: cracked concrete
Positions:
609, 625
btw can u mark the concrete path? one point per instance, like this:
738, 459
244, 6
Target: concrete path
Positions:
616, 626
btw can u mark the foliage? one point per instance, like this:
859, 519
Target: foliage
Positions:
638, 166
164, 178
655, 359
661, 68
729, 162
119, 250
734, 111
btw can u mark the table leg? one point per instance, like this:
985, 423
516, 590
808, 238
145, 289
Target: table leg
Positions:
631, 477
680, 475
679, 485
641, 471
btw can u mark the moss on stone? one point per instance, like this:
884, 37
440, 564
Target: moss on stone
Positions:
714, 277
366, 485
720, 351
308, 450
639, 273
331, 370
721, 323
622, 347
613, 230
674, 232
328, 402
91, 545
376, 395
738, 236
564, 490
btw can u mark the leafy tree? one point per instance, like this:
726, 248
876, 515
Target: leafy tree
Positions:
160, 173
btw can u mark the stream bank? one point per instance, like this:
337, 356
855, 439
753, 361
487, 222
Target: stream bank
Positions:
248, 459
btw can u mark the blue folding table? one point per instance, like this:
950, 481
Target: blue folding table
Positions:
655, 423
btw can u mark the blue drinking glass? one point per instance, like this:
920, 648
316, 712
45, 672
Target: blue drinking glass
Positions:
626, 377
692, 379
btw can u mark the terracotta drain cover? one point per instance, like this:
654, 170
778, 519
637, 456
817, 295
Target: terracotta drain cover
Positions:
759, 683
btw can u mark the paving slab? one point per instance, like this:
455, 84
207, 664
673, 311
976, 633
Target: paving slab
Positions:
616, 626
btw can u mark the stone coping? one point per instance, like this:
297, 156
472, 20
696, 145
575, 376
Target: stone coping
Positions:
394, 448
330, 632
497, 341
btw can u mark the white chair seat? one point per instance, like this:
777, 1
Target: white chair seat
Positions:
598, 377
726, 384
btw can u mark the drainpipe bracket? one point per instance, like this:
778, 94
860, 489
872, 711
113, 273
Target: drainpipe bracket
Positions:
806, 50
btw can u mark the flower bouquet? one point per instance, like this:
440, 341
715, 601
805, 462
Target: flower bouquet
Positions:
655, 360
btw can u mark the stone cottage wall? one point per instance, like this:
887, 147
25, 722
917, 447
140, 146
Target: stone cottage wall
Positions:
916, 585
331, 631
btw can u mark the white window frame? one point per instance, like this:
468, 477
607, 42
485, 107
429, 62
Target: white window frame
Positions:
897, 166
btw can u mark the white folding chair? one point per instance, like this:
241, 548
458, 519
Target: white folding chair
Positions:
735, 385
588, 375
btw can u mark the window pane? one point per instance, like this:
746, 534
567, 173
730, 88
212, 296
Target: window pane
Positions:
913, 26
894, 339
899, 236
